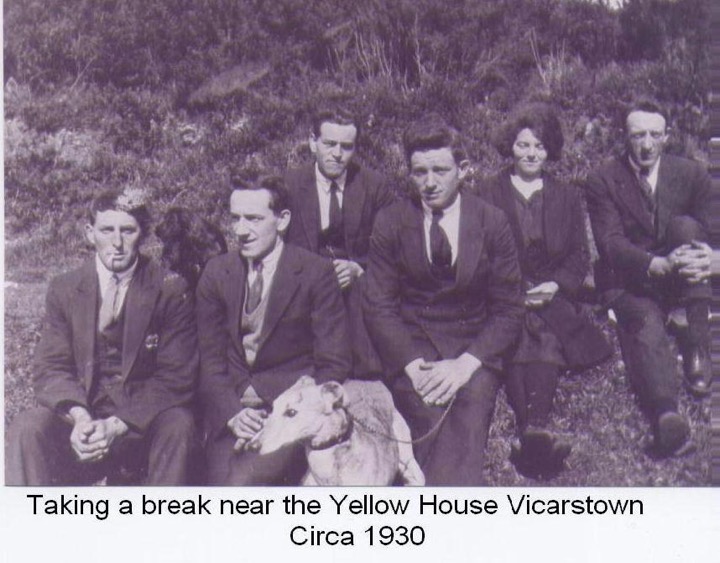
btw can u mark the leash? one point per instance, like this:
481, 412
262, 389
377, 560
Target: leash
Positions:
419, 440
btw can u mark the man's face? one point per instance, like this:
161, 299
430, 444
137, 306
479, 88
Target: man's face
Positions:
116, 236
646, 137
437, 176
333, 148
257, 227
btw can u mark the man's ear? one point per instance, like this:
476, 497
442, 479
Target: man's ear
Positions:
89, 234
312, 142
284, 221
463, 168
333, 395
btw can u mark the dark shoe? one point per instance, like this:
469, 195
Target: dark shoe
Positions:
698, 371
671, 433
541, 455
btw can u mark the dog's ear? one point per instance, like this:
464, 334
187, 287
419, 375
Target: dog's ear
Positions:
304, 380
333, 394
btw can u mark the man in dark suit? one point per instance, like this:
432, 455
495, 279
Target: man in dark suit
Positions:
649, 214
334, 202
267, 315
443, 303
115, 367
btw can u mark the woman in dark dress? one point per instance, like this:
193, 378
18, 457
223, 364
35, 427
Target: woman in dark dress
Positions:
547, 222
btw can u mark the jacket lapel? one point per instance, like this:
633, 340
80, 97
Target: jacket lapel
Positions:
85, 313
629, 192
354, 197
308, 207
664, 194
413, 243
140, 300
284, 285
470, 241
234, 288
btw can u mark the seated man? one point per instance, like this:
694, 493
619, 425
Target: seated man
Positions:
267, 315
443, 303
649, 214
115, 367
334, 202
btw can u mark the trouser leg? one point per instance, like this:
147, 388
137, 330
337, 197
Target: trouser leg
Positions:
454, 454
646, 350
173, 447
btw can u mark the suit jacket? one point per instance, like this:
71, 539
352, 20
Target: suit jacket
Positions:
304, 331
159, 356
626, 238
565, 262
364, 195
410, 314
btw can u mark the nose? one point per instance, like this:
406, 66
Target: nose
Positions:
337, 152
241, 228
117, 240
431, 180
647, 142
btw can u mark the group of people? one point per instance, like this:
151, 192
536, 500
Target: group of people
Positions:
445, 296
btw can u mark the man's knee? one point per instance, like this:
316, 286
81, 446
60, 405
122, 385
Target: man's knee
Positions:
34, 426
176, 424
682, 230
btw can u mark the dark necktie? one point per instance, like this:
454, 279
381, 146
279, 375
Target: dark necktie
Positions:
108, 308
440, 251
255, 290
647, 189
335, 222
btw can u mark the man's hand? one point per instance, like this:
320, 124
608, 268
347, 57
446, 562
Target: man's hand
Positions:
661, 266
693, 261
246, 424
105, 432
541, 294
437, 382
346, 272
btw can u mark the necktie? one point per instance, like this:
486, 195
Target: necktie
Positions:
647, 189
108, 309
440, 251
254, 295
335, 222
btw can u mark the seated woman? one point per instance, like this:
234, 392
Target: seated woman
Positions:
547, 222
189, 241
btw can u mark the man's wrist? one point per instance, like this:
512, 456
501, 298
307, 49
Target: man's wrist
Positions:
118, 425
469, 363
79, 414
659, 266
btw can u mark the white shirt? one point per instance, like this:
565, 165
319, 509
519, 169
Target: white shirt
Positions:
269, 265
449, 222
652, 176
105, 279
322, 184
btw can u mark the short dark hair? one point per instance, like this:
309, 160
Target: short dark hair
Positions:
648, 106
340, 116
275, 185
542, 120
433, 132
129, 200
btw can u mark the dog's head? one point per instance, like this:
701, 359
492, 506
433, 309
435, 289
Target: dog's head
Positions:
308, 413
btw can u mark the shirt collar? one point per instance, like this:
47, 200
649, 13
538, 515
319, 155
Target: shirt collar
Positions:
453, 209
270, 261
324, 182
104, 275
653, 169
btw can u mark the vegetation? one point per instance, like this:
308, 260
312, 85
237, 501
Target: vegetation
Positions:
177, 95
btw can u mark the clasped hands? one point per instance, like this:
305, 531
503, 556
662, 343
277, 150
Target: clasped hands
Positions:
437, 382
91, 439
690, 261
346, 271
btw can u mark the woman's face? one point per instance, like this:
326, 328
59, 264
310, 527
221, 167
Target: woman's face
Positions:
529, 155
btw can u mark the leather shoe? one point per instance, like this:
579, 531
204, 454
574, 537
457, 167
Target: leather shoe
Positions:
698, 371
671, 433
541, 454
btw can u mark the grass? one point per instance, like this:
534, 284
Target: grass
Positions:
594, 409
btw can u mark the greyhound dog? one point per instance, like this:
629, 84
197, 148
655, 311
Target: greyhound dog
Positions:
353, 434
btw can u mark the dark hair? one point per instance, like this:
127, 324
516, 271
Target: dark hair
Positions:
541, 120
432, 132
275, 185
341, 116
189, 241
130, 201
646, 105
